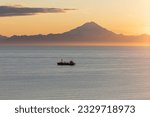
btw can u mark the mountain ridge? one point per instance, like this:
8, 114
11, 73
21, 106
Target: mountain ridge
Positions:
89, 32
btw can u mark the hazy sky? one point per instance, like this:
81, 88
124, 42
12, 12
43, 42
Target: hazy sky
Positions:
120, 16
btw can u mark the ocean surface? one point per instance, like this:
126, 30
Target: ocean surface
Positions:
99, 73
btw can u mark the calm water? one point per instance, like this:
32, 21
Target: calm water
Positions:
100, 73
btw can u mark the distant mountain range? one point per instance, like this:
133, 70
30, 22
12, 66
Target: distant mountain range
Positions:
88, 33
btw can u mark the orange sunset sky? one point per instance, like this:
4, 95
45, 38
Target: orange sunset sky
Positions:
129, 17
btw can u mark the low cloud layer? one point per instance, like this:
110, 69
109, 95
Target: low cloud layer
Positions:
6, 11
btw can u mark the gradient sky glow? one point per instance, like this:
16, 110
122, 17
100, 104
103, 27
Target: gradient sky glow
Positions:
121, 16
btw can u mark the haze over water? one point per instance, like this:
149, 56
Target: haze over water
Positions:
100, 73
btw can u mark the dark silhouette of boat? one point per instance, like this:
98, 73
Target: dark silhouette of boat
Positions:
71, 63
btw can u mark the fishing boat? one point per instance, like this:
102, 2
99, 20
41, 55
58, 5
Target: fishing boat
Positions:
71, 63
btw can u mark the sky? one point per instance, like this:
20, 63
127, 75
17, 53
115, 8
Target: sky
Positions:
29, 17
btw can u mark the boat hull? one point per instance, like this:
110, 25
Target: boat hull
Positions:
65, 64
